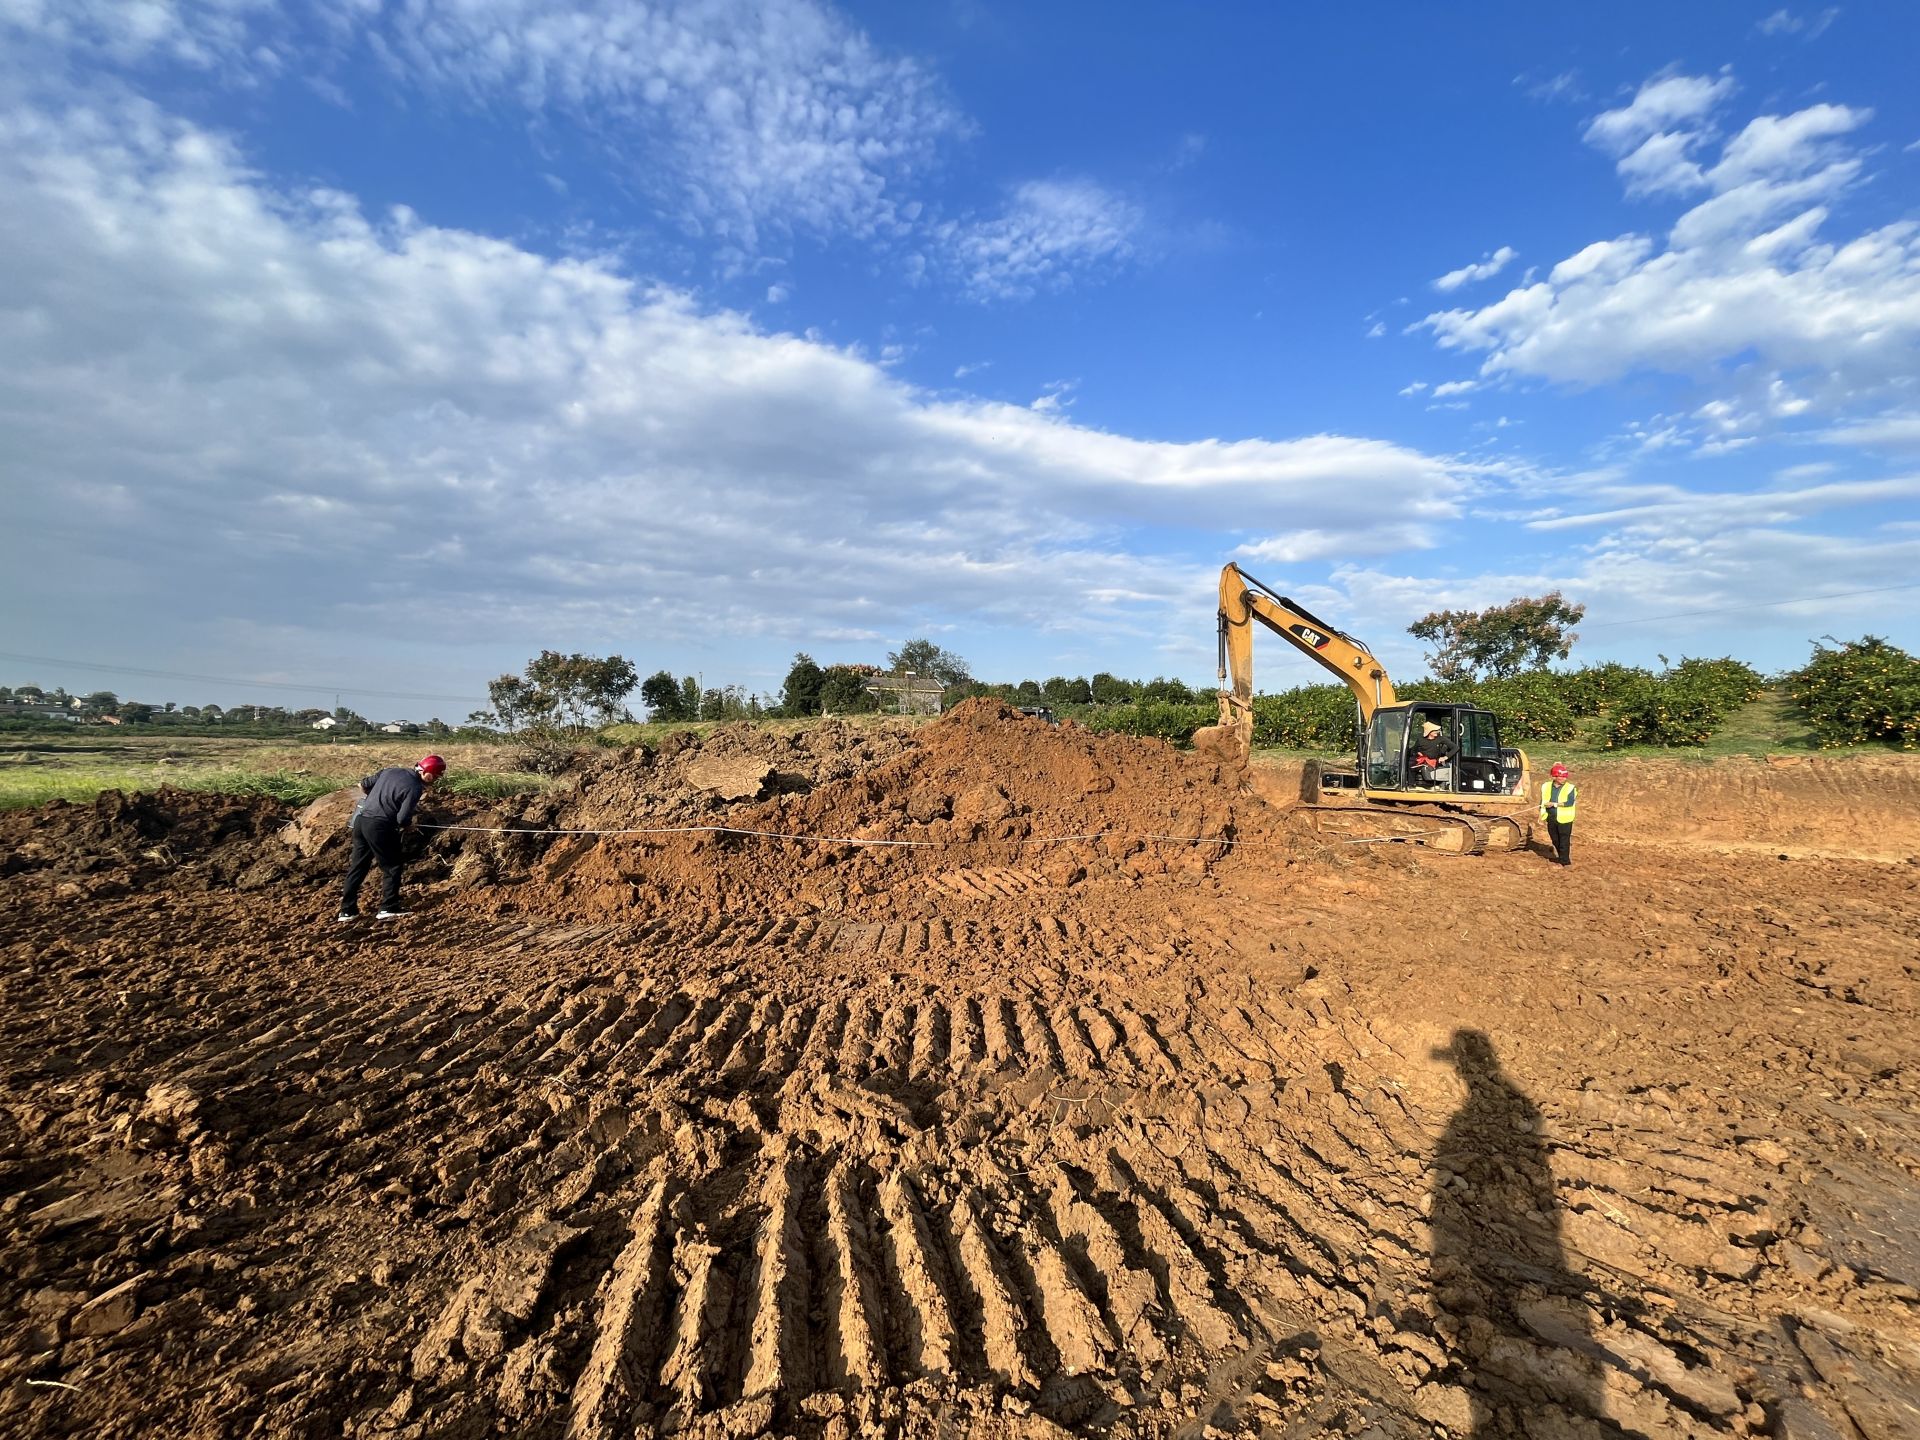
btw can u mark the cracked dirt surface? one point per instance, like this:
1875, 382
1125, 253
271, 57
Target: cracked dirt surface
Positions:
1001, 1133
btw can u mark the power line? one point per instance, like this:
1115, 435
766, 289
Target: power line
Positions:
334, 686
1757, 605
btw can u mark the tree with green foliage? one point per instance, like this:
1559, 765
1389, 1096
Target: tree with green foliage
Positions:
1059, 690
800, 695
101, 702
1168, 692
661, 694
928, 660
1861, 691
134, 713
843, 690
1110, 689
1523, 634
586, 690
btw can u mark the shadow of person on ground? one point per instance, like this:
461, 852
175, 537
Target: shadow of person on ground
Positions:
1514, 1316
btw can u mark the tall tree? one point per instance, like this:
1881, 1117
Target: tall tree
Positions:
661, 694
801, 693
586, 690
1523, 634
844, 690
923, 657
1110, 689
1059, 690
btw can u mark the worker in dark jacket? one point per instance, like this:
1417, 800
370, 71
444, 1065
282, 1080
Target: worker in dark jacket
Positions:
1557, 800
388, 799
1432, 751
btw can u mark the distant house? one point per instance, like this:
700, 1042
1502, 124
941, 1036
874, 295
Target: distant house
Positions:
325, 722
107, 719
393, 729
908, 695
19, 710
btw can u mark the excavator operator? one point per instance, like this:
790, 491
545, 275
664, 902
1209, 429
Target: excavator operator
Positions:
1432, 753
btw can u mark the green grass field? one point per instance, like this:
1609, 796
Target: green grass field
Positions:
36, 769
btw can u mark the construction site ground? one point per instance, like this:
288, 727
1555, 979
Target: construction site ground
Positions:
1115, 1103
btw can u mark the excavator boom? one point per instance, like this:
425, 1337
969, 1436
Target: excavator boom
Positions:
1244, 600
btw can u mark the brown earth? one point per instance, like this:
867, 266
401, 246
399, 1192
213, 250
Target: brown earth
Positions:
1066, 1116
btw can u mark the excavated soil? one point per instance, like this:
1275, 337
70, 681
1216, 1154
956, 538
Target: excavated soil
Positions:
1086, 1096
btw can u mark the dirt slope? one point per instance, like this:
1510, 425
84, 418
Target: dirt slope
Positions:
729, 1135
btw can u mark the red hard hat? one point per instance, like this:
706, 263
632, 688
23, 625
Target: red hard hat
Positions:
432, 765
1559, 772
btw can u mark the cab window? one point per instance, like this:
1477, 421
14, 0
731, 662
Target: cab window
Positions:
1479, 737
1386, 744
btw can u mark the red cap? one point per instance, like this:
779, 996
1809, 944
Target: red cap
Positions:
432, 765
1559, 772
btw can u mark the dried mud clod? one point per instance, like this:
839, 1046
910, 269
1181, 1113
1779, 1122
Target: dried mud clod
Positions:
737, 1136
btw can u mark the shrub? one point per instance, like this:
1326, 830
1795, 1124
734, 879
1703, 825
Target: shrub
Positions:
1159, 718
1529, 706
1866, 692
1683, 706
1596, 689
1310, 717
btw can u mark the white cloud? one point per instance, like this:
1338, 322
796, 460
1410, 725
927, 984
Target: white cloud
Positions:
1662, 103
201, 34
266, 419
746, 127
1893, 431
1785, 22
1415, 388
777, 294
1051, 232
1745, 278
1378, 329
1454, 387
1489, 266
1661, 165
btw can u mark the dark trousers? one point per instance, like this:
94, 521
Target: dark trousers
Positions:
1562, 836
373, 839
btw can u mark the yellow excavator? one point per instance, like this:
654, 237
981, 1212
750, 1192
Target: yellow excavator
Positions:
1475, 801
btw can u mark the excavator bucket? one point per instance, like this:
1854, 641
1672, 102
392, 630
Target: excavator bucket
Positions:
1229, 746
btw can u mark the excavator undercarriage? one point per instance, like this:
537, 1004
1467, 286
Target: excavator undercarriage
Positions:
1447, 831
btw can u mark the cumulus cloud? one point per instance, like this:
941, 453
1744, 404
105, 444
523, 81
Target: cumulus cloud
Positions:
1660, 104
266, 418
1746, 286
1486, 269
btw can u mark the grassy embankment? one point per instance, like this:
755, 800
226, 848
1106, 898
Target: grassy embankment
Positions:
37, 768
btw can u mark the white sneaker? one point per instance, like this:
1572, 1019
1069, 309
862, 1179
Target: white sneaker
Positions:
393, 915
346, 915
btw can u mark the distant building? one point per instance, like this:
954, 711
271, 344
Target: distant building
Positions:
907, 695
325, 722
19, 710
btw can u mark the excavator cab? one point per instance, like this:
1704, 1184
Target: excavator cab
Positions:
1470, 759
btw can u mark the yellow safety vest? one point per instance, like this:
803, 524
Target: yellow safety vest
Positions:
1558, 796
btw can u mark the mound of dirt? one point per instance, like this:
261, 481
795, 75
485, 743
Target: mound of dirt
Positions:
119, 840
984, 791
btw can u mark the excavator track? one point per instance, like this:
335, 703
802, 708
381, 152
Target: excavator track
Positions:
1447, 831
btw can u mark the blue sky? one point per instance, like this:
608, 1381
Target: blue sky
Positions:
381, 345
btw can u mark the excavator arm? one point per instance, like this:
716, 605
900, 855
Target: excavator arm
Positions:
1244, 600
